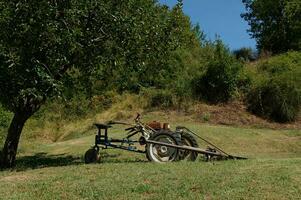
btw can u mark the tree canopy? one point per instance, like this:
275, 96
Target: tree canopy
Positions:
41, 42
275, 24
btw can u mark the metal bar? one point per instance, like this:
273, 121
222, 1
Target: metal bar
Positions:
115, 140
198, 150
106, 135
121, 123
131, 135
125, 148
205, 140
237, 157
102, 141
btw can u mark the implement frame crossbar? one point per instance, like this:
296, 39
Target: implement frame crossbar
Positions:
198, 150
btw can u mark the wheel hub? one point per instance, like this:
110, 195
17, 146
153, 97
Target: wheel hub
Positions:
161, 153
163, 149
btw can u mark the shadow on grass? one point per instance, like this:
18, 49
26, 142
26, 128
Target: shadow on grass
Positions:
41, 160
124, 160
118, 158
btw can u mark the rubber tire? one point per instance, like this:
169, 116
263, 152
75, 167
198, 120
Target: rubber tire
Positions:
91, 156
192, 156
154, 136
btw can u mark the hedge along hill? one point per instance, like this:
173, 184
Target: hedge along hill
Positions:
276, 90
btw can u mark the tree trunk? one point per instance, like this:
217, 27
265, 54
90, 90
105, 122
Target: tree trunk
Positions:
12, 140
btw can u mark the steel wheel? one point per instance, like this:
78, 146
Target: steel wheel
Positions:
91, 156
188, 140
160, 153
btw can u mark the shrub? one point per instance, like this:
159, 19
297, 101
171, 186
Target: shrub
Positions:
219, 81
161, 98
276, 91
104, 100
244, 81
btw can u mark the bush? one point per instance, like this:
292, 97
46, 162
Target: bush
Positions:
161, 98
245, 81
276, 91
219, 81
104, 100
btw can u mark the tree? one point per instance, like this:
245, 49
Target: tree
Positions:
276, 90
275, 24
219, 81
39, 42
245, 54
144, 45
201, 36
42, 41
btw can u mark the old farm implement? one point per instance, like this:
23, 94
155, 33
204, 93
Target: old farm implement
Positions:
158, 142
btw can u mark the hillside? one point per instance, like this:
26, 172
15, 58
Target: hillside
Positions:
66, 65
56, 170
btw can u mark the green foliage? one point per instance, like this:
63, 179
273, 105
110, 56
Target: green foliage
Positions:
201, 36
219, 80
76, 47
189, 61
138, 49
245, 54
39, 42
5, 117
276, 94
206, 117
144, 46
159, 98
122, 45
244, 81
275, 24
293, 16
75, 108
290, 61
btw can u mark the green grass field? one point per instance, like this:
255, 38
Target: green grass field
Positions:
56, 170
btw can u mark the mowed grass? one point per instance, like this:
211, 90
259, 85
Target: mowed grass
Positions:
252, 179
57, 171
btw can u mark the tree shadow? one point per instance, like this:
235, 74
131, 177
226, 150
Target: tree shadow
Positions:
42, 160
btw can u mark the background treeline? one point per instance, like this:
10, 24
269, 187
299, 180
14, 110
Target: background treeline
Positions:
189, 67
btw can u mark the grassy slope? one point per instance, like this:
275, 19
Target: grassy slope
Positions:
56, 170
253, 179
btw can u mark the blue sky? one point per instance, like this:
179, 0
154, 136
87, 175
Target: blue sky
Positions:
221, 17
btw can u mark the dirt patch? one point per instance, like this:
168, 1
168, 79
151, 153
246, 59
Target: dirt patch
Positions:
236, 114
